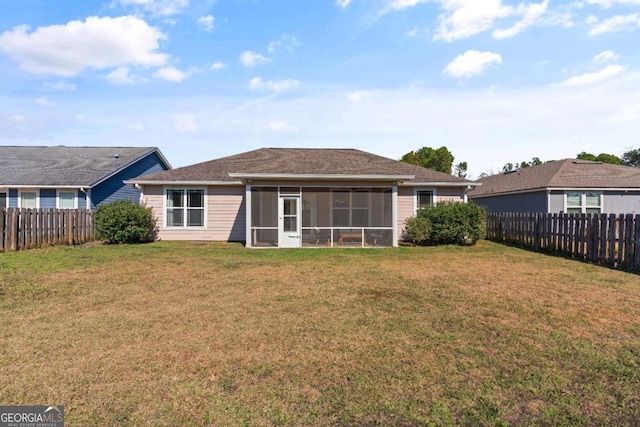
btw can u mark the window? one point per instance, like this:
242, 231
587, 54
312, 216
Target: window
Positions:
424, 198
185, 207
28, 199
351, 208
3, 200
66, 200
578, 203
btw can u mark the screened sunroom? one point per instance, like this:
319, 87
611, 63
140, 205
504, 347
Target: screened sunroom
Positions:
293, 217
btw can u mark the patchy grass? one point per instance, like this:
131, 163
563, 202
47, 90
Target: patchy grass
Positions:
198, 333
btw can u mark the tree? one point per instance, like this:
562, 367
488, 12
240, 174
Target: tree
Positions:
510, 167
631, 158
439, 159
602, 157
461, 170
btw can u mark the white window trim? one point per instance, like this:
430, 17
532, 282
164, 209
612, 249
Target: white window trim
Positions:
583, 200
75, 198
415, 196
184, 227
27, 190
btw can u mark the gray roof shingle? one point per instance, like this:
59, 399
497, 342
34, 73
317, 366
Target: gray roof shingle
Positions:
567, 173
299, 161
64, 166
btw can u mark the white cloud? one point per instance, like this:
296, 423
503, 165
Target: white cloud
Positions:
616, 23
594, 77
170, 74
358, 96
343, 3
404, 4
608, 3
208, 22
184, 123
287, 42
417, 31
98, 43
61, 86
44, 102
251, 59
531, 13
606, 56
471, 63
465, 18
273, 85
122, 76
157, 7
280, 126
218, 65
591, 19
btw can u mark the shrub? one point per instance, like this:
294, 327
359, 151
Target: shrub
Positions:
454, 223
417, 230
124, 221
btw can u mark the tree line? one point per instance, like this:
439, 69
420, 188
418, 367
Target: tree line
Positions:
441, 159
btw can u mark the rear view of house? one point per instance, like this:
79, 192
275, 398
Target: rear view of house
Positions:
73, 177
276, 197
569, 186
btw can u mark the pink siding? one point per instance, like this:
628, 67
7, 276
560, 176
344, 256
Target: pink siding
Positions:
225, 215
406, 203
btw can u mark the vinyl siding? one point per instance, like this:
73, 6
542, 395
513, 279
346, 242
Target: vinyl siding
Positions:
406, 206
114, 189
225, 215
525, 202
48, 198
13, 198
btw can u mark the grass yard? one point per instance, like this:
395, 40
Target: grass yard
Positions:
187, 333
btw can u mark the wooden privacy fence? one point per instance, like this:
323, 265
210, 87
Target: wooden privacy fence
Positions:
607, 239
35, 228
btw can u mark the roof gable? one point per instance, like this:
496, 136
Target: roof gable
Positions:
299, 162
567, 173
65, 166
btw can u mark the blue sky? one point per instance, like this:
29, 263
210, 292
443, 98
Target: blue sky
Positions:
495, 81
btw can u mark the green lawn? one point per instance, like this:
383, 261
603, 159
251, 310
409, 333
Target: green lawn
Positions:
191, 333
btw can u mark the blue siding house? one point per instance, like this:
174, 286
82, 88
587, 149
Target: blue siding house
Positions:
73, 177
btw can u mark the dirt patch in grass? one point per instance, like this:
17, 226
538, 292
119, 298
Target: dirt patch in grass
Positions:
216, 334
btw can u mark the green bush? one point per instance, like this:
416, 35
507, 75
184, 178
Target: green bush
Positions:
124, 221
448, 223
417, 230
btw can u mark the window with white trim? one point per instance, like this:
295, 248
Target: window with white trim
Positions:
66, 200
587, 202
185, 207
424, 198
29, 199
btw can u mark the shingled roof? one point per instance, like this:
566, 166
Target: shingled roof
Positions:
302, 162
65, 166
567, 173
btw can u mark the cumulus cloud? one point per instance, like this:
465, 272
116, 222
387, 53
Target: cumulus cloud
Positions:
606, 56
218, 65
98, 43
616, 23
208, 22
286, 42
404, 4
170, 74
184, 123
465, 18
594, 77
471, 63
156, 7
273, 85
531, 13
343, 3
251, 59
122, 76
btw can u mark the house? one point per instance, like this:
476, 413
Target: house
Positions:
278, 197
568, 186
73, 177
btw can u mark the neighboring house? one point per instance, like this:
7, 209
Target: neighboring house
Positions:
569, 186
278, 197
73, 177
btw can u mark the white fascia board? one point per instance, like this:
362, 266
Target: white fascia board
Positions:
320, 177
169, 183
137, 159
